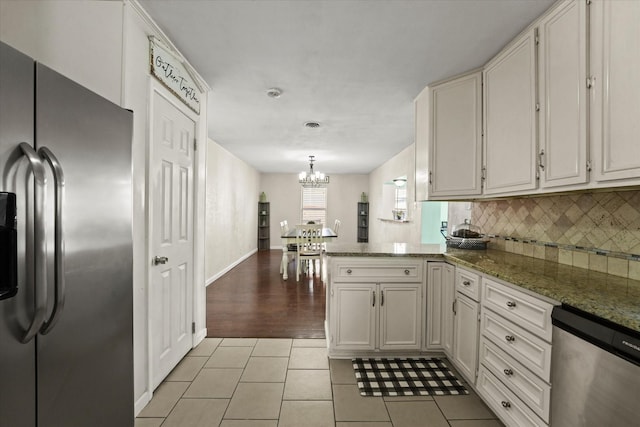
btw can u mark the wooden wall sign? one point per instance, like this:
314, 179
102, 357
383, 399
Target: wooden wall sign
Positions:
170, 71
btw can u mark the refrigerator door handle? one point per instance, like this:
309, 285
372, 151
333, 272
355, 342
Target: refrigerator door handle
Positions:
58, 176
39, 243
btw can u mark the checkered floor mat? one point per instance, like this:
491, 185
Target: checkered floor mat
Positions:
406, 377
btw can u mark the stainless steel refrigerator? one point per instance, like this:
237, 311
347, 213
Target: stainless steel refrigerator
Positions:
66, 311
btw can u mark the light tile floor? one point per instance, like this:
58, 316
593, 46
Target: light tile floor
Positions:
290, 383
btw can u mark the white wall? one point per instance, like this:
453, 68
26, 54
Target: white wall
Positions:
231, 229
402, 164
284, 195
136, 98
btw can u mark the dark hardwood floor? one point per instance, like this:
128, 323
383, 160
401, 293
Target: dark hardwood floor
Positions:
252, 300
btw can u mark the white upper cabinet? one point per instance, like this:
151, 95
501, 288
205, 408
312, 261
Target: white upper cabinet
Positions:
560, 109
449, 139
615, 93
510, 118
562, 78
455, 138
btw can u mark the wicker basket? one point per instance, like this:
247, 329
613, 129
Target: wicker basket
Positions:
467, 243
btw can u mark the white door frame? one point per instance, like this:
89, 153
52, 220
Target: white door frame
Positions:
198, 312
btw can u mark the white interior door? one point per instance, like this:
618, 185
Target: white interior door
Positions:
171, 227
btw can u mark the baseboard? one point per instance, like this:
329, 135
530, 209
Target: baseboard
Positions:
199, 336
142, 402
327, 333
229, 267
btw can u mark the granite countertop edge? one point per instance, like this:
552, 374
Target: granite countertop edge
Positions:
610, 297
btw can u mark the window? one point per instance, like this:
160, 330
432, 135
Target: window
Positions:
314, 205
400, 203
401, 198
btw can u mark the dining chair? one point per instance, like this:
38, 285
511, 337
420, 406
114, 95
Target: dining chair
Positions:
290, 247
309, 247
336, 226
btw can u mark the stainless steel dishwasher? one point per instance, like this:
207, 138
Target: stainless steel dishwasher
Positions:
595, 376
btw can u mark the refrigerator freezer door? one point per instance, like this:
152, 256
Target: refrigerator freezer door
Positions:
17, 360
85, 361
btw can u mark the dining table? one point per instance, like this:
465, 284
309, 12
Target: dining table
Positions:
289, 238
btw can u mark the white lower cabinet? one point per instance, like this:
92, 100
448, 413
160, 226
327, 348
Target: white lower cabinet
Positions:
522, 344
465, 347
465, 324
504, 402
354, 313
528, 387
497, 336
515, 354
386, 316
400, 316
439, 307
369, 315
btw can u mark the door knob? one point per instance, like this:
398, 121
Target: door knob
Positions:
160, 260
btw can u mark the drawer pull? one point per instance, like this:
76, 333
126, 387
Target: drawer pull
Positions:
466, 283
508, 372
407, 272
510, 338
506, 404
511, 304
349, 271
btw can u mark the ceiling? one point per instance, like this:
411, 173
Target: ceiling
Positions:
354, 66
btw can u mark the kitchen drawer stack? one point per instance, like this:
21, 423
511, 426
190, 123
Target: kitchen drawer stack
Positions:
515, 354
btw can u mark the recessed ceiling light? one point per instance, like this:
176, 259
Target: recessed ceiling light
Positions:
312, 125
274, 92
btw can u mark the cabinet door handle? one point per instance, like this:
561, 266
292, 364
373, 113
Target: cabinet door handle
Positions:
453, 307
406, 272
381, 298
505, 404
511, 304
508, 372
374, 299
510, 338
349, 271
541, 162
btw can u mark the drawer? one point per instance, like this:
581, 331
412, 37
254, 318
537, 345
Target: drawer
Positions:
525, 310
511, 410
522, 382
532, 351
468, 283
380, 270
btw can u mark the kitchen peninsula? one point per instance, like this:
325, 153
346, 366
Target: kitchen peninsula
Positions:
488, 311
610, 297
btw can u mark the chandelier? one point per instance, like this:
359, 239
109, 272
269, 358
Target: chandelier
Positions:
312, 179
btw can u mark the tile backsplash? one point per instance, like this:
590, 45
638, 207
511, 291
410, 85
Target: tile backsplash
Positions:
599, 231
